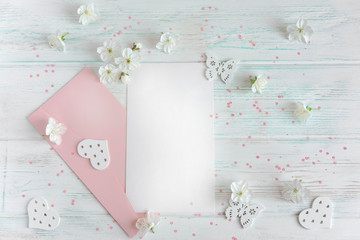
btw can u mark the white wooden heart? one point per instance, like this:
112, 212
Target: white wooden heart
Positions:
95, 150
319, 216
40, 216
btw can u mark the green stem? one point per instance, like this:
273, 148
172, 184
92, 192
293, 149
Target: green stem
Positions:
152, 229
63, 36
311, 109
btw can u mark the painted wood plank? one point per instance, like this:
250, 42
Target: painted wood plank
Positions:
238, 112
326, 166
252, 31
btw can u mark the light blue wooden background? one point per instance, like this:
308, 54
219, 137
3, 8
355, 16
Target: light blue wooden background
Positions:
324, 152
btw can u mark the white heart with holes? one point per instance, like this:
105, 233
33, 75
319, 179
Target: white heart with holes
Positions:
319, 216
40, 216
95, 150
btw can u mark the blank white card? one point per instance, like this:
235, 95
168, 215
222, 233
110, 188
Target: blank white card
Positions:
170, 142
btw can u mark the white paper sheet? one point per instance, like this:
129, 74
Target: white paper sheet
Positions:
170, 142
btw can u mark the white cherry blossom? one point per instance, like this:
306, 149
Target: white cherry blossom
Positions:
301, 31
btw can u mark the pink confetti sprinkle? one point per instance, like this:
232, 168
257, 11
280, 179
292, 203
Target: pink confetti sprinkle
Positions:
105, 28
62, 171
73, 202
129, 17
202, 29
138, 22
227, 123
58, 174
276, 103
52, 205
282, 109
149, 51
52, 71
277, 57
211, 223
97, 229
221, 190
206, 20
191, 204
293, 122
345, 148
34, 48
313, 163
219, 214
250, 166
249, 137
23, 195
276, 179
298, 53
257, 157
288, 165
222, 204
49, 184
240, 37
170, 29
175, 231
333, 157
46, 90
319, 107
264, 123
38, 75
320, 182
171, 223
64, 191
268, 159
247, 164
243, 145
236, 162
233, 114
37, 55
252, 43
240, 114
219, 37
203, 9
327, 153
31, 75
335, 162
111, 227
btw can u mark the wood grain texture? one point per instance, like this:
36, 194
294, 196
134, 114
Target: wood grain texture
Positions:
256, 137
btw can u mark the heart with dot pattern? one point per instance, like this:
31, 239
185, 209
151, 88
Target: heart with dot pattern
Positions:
95, 150
319, 216
40, 216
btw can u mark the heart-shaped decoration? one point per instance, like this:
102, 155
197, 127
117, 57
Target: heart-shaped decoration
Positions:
319, 216
95, 150
40, 216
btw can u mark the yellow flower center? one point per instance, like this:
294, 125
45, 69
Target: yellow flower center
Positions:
109, 50
108, 71
295, 191
240, 193
128, 60
86, 12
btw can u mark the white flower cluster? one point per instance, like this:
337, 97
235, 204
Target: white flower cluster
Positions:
119, 63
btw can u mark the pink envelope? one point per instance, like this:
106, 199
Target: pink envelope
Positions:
89, 110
